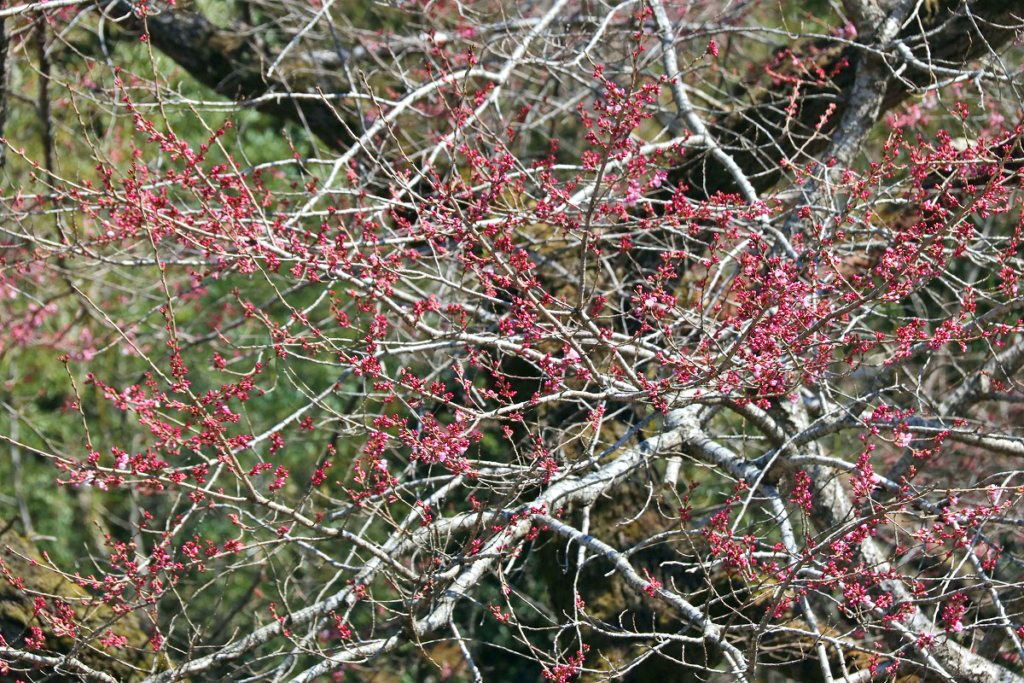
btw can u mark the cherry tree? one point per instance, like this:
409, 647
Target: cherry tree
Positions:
498, 341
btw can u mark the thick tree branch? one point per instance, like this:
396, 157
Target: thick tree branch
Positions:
232, 62
762, 136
